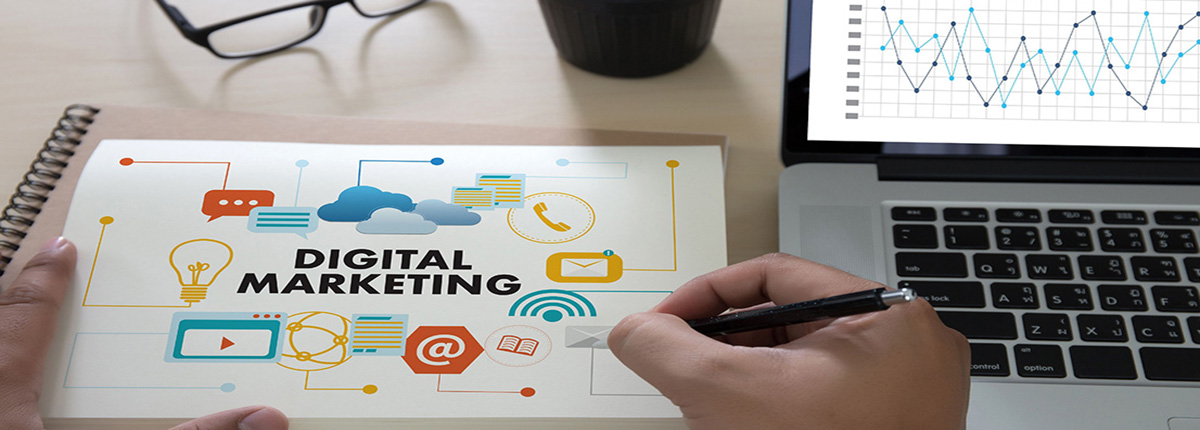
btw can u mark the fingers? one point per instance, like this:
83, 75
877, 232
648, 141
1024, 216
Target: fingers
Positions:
780, 278
247, 418
28, 312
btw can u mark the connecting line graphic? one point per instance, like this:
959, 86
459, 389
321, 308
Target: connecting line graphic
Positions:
368, 389
224, 183
433, 161
1030, 58
104, 222
226, 387
563, 162
527, 391
672, 164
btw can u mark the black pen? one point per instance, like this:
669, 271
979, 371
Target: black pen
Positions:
830, 307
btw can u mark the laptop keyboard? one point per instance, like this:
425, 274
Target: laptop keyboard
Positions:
1062, 293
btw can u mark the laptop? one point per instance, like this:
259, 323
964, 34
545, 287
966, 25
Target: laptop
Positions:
1030, 169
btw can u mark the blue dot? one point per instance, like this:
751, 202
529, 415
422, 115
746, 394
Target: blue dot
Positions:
985, 104
902, 22
1126, 67
1039, 91
1145, 107
1022, 38
1005, 78
1129, 93
1022, 65
935, 64
1039, 51
1110, 39
437, 161
562, 162
935, 35
952, 23
971, 9
1075, 52
883, 8
1110, 66
1093, 12
1147, 13
1057, 65
1198, 41
301, 163
1003, 105
1077, 25
1091, 93
608, 253
988, 50
228, 387
968, 77
918, 50
883, 48
1164, 81
1164, 55
898, 62
916, 90
951, 78
552, 315
1058, 93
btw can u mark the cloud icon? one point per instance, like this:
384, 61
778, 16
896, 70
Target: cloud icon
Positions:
358, 203
442, 213
393, 221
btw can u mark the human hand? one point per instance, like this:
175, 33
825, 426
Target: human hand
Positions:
28, 313
895, 369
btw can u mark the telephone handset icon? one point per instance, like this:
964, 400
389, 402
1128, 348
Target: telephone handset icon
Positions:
557, 226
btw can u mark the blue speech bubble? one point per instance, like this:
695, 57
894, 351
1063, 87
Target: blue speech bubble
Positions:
296, 220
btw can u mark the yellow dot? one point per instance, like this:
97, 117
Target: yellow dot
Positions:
370, 389
106, 220
672, 164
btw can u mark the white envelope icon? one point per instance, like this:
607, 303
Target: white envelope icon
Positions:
584, 268
588, 336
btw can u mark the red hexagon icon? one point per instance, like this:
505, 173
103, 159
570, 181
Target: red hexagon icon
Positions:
444, 350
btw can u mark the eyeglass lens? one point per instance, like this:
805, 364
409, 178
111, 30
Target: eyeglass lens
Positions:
269, 32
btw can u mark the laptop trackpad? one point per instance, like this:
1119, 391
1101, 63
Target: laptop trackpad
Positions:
839, 236
1184, 423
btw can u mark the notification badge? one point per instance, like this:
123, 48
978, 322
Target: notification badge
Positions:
442, 350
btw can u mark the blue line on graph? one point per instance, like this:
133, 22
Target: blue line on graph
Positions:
226, 387
1110, 48
433, 161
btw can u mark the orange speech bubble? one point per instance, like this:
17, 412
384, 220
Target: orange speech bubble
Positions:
219, 203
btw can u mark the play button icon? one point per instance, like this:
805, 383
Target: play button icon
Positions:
225, 343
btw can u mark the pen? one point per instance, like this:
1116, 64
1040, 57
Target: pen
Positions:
830, 307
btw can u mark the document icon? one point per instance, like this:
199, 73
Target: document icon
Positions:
588, 336
584, 267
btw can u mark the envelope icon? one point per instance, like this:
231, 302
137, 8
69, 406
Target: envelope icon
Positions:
584, 267
586, 336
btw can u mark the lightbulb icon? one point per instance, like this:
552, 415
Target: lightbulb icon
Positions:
197, 264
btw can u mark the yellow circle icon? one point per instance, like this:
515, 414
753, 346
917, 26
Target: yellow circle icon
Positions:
552, 218
315, 341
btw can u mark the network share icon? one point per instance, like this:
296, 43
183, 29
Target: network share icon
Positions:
552, 305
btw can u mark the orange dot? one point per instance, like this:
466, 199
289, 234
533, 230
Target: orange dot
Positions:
126, 161
370, 389
106, 220
256, 315
672, 164
528, 392
276, 315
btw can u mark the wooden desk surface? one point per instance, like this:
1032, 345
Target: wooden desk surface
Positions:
471, 61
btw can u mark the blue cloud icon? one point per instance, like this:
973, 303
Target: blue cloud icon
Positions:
358, 203
393, 221
442, 213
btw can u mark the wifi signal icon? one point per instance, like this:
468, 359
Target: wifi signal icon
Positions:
552, 305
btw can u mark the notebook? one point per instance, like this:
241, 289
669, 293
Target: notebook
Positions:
353, 270
1031, 170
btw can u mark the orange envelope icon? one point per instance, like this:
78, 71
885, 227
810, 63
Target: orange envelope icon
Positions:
584, 267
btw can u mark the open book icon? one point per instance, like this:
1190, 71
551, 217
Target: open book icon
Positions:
517, 345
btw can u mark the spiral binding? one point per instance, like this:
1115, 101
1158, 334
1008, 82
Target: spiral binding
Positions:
34, 189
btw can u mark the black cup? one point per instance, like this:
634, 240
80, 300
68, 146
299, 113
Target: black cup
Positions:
630, 38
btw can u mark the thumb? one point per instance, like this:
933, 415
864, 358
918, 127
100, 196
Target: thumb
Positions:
247, 418
667, 353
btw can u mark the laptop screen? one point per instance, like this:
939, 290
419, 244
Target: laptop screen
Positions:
999, 78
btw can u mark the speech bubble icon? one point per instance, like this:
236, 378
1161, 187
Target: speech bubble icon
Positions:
219, 203
300, 221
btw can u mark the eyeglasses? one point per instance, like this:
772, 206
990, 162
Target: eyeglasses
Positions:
276, 29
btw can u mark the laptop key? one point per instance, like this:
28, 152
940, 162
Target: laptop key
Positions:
1170, 364
1021, 295
1062, 216
1103, 362
931, 264
1176, 241
965, 214
997, 266
1157, 329
1049, 267
1122, 297
1018, 238
966, 237
1124, 217
989, 359
1039, 361
1191, 265
1194, 328
1177, 217
1121, 240
1101, 268
908, 213
1068, 296
1019, 215
1175, 298
948, 294
981, 325
914, 236
1102, 328
1154, 268
1047, 327
1069, 238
